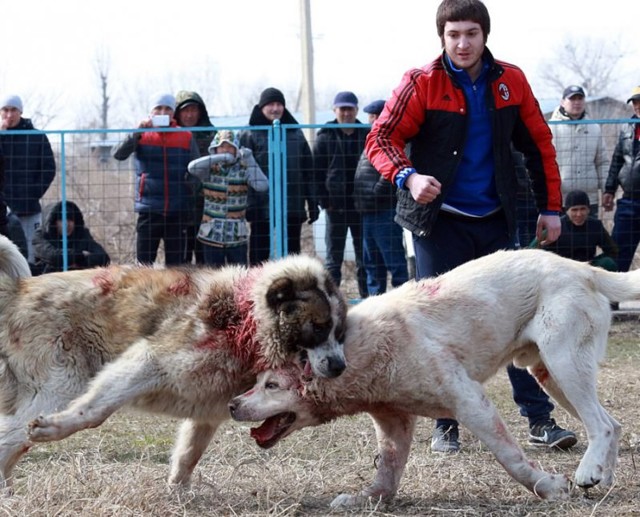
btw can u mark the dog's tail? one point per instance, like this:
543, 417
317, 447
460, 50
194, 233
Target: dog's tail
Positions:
618, 287
12, 262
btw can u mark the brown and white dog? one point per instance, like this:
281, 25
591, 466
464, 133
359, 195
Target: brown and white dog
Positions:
180, 342
425, 349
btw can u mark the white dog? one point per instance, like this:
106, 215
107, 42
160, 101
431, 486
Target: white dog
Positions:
425, 349
180, 342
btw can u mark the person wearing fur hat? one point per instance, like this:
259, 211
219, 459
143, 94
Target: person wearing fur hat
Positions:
226, 174
581, 235
163, 194
624, 172
302, 204
29, 167
191, 111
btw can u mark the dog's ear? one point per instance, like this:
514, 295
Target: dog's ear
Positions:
280, 291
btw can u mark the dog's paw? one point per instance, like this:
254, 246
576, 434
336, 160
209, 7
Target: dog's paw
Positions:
40, 430
553, 487
344, 501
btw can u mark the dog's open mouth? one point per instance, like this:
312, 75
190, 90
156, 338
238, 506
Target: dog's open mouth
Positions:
272, 429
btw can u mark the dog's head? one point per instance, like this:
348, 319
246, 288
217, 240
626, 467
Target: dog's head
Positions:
301, 313
276, 399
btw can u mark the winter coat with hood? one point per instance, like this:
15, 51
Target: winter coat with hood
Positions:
203, 138
83, 251
299, 168
581, 155
29, 168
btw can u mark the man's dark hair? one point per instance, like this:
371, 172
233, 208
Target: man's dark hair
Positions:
463, 10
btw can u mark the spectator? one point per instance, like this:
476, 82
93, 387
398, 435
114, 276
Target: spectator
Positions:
582, 235
191, 111
336, 154
226, 174
29, 167
457, 190
302, 203
163, 195
375, 200
580, 148
83, 251
625, 172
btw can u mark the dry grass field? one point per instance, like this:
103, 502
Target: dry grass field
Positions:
120, 468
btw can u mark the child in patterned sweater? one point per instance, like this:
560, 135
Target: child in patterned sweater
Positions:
226, 175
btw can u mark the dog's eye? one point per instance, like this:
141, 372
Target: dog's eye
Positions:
272, 386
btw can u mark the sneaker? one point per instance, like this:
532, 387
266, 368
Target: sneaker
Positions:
445, 439
549, 434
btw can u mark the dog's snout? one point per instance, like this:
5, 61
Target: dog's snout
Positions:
233, 406
335, 366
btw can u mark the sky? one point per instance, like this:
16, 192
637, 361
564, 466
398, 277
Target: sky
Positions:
230, 51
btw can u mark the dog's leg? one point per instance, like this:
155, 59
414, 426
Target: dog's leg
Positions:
193, 439
571, 380
117, 384
13, 444
394, 432
476, 412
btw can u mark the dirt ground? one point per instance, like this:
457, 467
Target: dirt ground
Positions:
120, 468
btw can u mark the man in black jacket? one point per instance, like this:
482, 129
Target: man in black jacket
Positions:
375, 200
302, 203
29, 167
336, 154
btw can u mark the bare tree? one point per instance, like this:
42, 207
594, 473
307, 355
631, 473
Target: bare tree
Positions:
102, 70
588, 62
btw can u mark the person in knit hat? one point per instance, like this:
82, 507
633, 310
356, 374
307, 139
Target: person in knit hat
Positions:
163, 193
302, 204
29, 168
191, 111
226, 175
582, 235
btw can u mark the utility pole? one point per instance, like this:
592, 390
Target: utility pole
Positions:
307, 92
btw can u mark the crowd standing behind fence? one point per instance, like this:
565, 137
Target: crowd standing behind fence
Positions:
107, 187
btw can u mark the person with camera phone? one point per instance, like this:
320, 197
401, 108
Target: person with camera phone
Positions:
162, 194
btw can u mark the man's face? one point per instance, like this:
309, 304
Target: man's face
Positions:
636, 107
10, 117
574, 105
578, 214
189, 115
346, 114
273, 111
464, 44
226, 147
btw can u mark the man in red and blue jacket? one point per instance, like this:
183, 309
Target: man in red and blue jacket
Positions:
457, 187
163, 193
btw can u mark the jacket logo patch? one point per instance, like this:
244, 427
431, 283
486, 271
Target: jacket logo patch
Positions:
446, 97
503, 90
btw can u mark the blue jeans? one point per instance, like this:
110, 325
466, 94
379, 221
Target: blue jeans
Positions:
214, 256
454, 241
626, 231
383, 251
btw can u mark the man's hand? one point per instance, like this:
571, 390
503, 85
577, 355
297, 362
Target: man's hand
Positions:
607, 202
548, 229
424, 189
